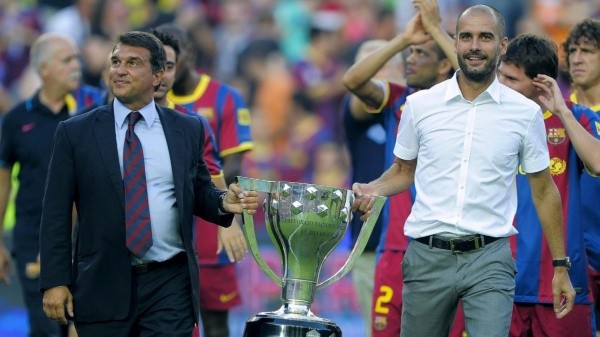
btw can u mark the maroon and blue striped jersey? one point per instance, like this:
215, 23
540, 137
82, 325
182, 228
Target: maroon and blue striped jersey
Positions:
590, 192
398, 207
211, 154
530, 248
225, 110
228, 116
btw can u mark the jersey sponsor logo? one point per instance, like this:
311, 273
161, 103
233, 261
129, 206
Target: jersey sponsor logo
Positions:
243, 116
557, 166
27, 127
207, 113
379, 323
556, 135
597, 127
224, 298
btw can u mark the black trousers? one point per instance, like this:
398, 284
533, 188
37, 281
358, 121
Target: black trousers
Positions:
161, 305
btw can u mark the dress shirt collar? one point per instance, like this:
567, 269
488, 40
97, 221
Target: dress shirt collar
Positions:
121, 112
453, 90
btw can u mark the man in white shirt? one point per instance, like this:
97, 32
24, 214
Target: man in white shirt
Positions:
467, 136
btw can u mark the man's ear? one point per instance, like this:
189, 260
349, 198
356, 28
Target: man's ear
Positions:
504, 45
42, 69
445, 68
158, 77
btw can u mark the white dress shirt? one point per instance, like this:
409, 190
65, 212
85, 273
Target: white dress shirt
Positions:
164, 217
468, 154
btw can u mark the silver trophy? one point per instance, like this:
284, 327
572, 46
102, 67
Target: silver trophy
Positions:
305, 223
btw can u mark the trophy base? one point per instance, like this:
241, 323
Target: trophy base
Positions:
269, 324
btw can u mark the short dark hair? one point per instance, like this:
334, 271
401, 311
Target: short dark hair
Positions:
441, 55
167, 39
587, 30
145, 40
534, 54
500, 24
177, 32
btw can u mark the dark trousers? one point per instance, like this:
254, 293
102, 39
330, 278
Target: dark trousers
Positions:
39, 324
161, 305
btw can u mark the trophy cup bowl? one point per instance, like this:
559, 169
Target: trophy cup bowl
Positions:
305, 223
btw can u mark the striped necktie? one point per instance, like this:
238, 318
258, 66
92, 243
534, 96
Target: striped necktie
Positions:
137, 210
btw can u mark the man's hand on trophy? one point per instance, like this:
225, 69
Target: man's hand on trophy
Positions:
363, 199
236, 200
232, 240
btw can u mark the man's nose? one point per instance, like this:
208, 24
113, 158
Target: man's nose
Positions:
575, 56
474, 45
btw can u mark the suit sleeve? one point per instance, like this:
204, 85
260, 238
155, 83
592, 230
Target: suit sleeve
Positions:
55, 231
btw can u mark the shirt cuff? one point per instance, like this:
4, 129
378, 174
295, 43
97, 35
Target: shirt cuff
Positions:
222, 210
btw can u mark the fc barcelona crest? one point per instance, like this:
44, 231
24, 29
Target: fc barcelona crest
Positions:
556, 135
380, 323
207, 113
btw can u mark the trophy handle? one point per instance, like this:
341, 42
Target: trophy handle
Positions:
359, 246
253, 247
248, 224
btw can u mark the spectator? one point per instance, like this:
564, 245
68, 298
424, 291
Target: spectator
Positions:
27, 133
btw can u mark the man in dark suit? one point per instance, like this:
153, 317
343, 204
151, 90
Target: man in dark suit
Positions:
117, 282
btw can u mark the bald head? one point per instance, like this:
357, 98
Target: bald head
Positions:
46, 47
484, 9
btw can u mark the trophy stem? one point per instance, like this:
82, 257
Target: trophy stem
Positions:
297, 296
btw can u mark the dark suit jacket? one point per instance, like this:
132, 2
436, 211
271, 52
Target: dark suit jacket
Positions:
85, 169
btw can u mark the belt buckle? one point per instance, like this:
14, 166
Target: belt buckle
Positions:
453, 248
476, 240
141, 268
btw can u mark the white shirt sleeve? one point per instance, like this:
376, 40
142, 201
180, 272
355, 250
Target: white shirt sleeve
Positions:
407, 142
534, 155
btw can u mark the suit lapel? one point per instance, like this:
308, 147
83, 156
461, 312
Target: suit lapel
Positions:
174, 135
104, 132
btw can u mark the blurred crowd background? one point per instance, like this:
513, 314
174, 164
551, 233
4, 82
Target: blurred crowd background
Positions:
271, 50
286, 57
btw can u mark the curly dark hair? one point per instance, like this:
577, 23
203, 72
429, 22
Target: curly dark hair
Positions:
587, 31
535, 54
167, 39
